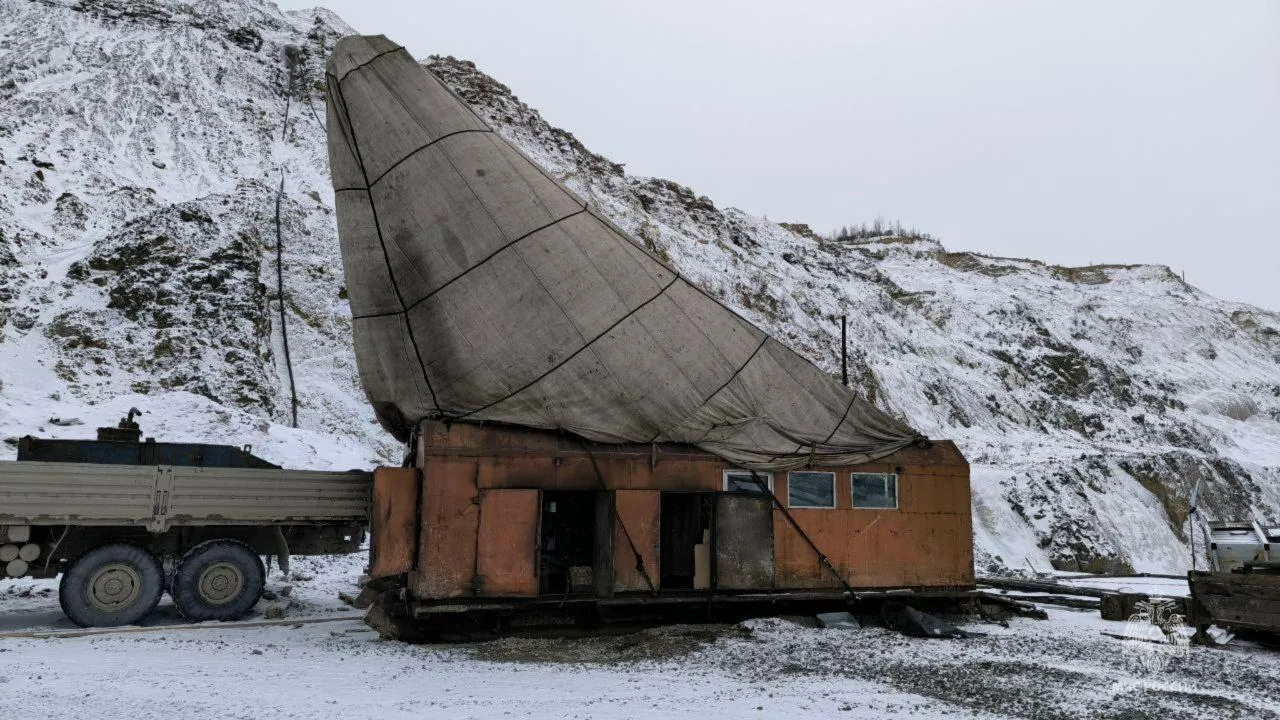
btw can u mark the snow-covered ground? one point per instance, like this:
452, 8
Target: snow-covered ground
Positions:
1063, 667
1164, 587
141, 145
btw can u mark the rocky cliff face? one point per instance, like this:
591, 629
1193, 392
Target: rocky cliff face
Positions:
141, 150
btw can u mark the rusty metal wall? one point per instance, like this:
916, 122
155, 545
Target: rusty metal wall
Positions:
506, 546
393, 521
518, 457
450, 519
926, 542
637, 517
744, 542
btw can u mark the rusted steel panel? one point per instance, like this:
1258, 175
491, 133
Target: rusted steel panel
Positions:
638, 512
926, 542
602, 563
393, 522
689, 475
744, 542
515, 472
573, 470
796, 564
450, 519
506, 555
930, 493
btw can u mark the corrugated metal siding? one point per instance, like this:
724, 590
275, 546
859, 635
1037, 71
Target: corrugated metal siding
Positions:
37, 493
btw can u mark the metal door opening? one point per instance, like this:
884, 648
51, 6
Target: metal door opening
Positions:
568, 547
685, 545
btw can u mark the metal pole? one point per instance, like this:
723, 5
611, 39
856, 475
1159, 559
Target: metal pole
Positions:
844, 350
284, 327
1191, 530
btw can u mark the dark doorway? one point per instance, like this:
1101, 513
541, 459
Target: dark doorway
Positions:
567, 543
685, 552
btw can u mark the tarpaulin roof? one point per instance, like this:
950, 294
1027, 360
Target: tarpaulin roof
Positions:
482, 289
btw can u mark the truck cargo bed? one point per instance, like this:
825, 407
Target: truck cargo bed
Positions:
163, 496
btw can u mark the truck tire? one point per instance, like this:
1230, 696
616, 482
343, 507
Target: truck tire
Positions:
117, 584
218, 580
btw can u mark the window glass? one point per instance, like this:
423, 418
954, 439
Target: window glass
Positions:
811, 489
875, 490
741, 481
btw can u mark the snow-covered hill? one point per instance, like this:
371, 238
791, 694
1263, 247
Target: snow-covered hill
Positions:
141, 148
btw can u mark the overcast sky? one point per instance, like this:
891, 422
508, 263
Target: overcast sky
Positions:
1071, 132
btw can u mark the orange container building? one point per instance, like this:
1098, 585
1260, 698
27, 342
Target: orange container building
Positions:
503, 517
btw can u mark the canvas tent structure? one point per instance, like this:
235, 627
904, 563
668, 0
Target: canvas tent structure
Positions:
591, 432
483, 289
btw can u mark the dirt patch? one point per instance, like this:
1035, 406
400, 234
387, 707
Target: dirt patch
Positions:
659, 644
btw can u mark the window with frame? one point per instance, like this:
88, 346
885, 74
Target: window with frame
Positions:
742, 481
877, 491
810, 489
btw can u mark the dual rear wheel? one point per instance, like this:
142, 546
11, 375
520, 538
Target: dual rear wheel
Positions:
121, 583
218, 580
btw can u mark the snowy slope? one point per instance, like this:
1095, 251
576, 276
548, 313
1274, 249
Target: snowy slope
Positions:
141, 145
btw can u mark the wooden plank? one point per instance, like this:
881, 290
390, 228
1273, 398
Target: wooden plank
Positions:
1235, 583
393, 522
1236, 600
1258, 621
1231, 607
506, 551
1246, 585
1041, 586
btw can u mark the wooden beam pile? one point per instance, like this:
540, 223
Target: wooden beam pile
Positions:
1245, 601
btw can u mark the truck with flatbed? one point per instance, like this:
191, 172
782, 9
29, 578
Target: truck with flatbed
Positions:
125, 519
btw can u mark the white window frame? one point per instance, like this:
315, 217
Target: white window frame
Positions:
897, 492
835, 496
768, 480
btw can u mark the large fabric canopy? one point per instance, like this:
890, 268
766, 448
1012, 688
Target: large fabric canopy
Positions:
484, 290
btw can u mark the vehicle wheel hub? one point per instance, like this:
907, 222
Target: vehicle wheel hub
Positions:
220, 583
114, 586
